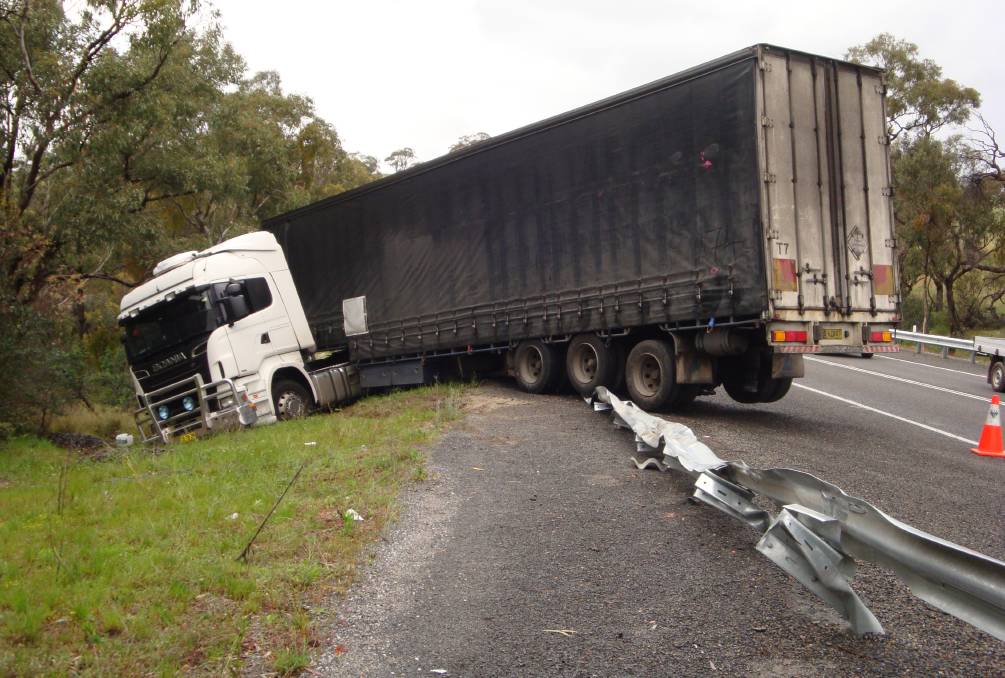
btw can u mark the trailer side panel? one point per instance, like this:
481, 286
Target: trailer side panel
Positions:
640, 212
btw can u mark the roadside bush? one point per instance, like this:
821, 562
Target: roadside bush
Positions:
103, 421
41, 368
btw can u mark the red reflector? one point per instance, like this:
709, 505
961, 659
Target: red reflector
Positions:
881, 337
795, 335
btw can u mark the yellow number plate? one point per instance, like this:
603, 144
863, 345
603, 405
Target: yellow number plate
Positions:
832, 333
187, 437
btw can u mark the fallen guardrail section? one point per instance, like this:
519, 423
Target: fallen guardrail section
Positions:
819, 530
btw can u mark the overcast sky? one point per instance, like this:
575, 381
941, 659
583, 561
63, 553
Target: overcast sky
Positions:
390, 74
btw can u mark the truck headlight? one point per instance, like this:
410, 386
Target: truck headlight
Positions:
188, 402
163, 412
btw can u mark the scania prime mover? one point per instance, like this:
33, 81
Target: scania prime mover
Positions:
705, 229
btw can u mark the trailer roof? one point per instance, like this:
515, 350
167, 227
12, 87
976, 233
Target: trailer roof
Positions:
681, 77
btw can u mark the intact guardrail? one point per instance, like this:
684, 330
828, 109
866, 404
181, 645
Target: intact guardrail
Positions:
945, 343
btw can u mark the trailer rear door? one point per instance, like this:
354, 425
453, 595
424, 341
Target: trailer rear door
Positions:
826, 200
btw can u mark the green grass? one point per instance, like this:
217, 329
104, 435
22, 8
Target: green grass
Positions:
131, 568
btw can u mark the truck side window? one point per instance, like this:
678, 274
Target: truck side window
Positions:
259, 296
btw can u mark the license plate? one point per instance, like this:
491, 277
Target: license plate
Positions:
832, 333
187, 437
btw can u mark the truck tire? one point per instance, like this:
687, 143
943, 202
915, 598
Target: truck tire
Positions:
291, 400
537, 366
996, 375
650, 374
589, 363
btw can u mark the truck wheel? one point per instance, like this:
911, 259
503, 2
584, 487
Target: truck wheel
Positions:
291, 400
997, 376
650, 374
590, 363
536, 366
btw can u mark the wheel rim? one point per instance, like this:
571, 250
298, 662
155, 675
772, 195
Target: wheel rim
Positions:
532, 365
291, 405
650, 375
584, 364
997, 375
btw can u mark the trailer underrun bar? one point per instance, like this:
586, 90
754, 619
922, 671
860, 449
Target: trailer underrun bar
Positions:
819, 530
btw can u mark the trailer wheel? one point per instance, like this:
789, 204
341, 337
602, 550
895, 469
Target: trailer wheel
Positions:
292, 400
768, 390
776, 389
650, 374
738, 391
590, 363
686, 395
996, 376
536, 366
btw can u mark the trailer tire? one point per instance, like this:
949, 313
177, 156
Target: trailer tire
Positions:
650, 374
738, 391
776, 389
768, 390
996, 376
686, 395
590, 362
291, 400
537, 366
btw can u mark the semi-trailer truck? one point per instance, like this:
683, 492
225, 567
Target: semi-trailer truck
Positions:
703, 230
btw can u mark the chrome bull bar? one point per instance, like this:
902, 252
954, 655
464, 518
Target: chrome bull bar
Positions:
217, 405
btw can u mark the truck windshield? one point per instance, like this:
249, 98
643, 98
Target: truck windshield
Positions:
169, 323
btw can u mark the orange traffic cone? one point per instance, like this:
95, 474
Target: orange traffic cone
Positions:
991, 437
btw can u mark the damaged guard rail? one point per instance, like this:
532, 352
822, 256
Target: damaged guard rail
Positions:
819, 530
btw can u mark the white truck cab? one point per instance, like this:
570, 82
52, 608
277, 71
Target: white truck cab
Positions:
217, 339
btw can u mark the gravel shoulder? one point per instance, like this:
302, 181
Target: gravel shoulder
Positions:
536, 548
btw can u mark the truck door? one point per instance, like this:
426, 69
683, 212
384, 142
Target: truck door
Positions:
827, 206
265, 332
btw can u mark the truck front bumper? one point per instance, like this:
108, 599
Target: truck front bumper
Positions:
189, 408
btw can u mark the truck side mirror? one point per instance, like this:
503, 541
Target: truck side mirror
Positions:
235, 303
236, 308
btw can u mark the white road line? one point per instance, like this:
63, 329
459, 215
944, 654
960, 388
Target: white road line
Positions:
901, 379
934, 367
854, 403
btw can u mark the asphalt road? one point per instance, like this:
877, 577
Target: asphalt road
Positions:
536, 548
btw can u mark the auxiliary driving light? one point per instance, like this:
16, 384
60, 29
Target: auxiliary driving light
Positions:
188, 402
163, 412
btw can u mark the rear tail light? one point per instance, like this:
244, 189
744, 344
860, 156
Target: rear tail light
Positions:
789, 336
884, 337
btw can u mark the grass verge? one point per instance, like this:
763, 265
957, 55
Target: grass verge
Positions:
128, 566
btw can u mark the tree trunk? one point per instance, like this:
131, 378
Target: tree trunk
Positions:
924, 308
955, 327
938, 295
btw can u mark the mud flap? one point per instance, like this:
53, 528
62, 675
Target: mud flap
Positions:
787, 365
